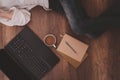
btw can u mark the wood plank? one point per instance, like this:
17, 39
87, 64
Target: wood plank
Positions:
103, 58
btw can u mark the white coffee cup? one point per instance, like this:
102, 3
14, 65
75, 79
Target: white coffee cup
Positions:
50, 40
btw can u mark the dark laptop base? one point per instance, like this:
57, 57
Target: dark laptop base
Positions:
11, 68
26, 57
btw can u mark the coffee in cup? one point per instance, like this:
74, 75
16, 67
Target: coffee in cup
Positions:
50, 40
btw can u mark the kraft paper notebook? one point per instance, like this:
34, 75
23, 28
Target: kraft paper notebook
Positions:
72, 50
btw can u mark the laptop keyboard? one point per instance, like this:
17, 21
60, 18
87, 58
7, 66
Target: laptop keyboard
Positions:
23, 52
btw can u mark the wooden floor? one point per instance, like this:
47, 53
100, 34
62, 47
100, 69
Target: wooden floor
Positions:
103, 61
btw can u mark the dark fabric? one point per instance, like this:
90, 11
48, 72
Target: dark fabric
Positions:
1, 50
75, 14
81, 9
81, 24
110, 19
56, 6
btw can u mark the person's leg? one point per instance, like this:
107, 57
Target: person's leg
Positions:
75, 15
78, 19
107, 20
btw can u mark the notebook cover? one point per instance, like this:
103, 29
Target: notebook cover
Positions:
72, 50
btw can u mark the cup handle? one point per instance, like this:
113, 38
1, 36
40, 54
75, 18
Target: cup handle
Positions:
54, 46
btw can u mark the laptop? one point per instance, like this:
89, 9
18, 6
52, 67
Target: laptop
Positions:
26, 57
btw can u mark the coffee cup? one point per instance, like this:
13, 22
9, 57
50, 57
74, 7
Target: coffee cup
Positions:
50, 40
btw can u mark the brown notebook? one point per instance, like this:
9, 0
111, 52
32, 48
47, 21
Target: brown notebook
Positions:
72, 50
